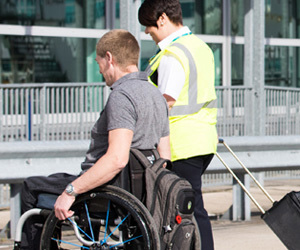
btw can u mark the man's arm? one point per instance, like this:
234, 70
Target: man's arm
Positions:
170, 100
104, 170
163, 148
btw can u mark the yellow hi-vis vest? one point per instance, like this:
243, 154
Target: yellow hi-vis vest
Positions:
193, 118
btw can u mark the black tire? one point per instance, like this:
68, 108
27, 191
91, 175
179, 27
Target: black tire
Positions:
134, 226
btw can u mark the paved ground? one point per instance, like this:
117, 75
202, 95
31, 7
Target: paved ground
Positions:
246, 235
228, 235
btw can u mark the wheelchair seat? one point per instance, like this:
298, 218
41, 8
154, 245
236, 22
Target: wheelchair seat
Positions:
46, 201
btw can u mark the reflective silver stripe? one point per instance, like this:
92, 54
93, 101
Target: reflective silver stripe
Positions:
192, 106
188, 109
212, 104
148, 70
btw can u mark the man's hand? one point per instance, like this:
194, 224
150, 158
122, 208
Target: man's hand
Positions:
62, 206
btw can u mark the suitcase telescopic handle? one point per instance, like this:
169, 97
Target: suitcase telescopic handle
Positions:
248, 172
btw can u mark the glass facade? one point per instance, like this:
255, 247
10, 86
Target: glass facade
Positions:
32, 59
28, 59
237, 65
283, 19
54, 13
203, 17
148, 49
217, 50
282, 63
237, 8
282, 66
63, 58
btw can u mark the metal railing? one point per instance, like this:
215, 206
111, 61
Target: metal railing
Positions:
282, 111
33, 112
234, 105
236, 111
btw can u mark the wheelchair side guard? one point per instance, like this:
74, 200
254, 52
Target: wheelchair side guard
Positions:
23, 218
44, 206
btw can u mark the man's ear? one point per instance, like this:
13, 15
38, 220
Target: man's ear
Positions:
109, 57
162, 20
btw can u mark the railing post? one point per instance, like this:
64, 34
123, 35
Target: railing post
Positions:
240, 201
247, 201
297, 107
15, 207
241, 207
42, 107
1, 114
29, 113
248, 112
81, 108
288, 126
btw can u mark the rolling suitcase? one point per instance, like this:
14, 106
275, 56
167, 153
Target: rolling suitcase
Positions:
284, 215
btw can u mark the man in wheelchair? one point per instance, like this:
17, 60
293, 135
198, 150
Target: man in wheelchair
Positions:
135, 116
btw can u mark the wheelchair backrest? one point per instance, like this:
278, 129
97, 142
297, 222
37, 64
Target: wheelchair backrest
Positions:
132, 177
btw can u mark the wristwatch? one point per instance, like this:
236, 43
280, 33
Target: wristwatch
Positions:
70, 190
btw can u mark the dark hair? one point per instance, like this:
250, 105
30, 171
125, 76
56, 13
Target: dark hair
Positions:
151, 10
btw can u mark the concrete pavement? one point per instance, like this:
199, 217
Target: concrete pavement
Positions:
253, 235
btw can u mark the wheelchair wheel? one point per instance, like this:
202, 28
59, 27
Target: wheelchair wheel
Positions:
105, 218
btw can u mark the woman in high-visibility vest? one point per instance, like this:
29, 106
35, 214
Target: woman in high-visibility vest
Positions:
184, 71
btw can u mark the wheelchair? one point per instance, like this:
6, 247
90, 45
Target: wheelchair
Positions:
108, 217
112, 216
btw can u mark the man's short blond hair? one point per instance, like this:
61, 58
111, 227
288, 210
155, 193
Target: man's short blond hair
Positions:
122, 45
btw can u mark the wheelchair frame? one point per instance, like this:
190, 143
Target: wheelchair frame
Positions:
127, 223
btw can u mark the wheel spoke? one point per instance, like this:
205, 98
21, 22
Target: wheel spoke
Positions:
89, 220
126, 241
80, 229
107, 217
105, 239
69, 243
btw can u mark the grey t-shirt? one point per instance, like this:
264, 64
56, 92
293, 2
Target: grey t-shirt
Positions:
134, 104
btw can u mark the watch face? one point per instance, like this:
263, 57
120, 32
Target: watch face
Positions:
69, 189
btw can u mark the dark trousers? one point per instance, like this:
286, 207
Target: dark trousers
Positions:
192, 170
32, 187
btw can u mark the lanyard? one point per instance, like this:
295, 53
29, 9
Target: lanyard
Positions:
186, 34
